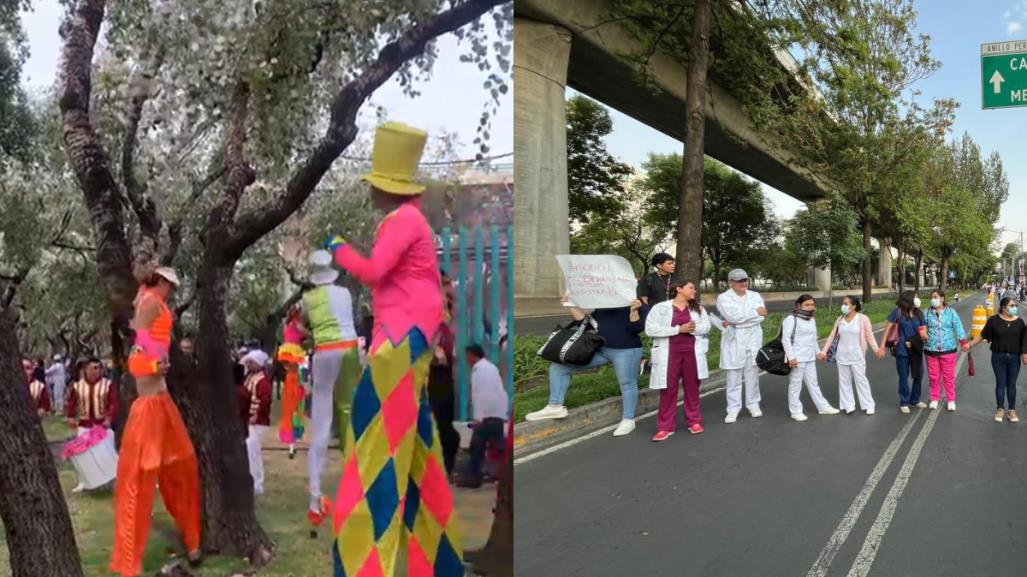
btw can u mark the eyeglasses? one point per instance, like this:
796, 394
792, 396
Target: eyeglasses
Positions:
743, 281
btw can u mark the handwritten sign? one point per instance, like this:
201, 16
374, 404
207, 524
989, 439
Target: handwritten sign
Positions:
598, 281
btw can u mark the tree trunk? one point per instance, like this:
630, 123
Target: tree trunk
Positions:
689, 245
868, 254
496, 559
901, 265
944, 281
919, 272
205, 395
40, 538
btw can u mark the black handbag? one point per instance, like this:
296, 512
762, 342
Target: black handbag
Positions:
771, 357
573, 344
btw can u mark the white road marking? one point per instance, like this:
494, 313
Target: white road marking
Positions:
841, 533
868, 552
594, 434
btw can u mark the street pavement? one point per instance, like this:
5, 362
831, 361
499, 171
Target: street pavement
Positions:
928, 494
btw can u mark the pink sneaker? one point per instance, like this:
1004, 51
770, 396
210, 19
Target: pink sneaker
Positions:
662, 436
695, 429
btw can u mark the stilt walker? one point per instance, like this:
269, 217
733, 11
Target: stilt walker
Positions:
393, 488
335, 370
155, 446
291, 355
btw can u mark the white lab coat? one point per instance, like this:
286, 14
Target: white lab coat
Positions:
803, 347
741, 341
658, 327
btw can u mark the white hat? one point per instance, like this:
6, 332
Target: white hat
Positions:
321, 271
256, 356
57, 357
737, 274
168, 274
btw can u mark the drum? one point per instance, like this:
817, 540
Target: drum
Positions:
94, 457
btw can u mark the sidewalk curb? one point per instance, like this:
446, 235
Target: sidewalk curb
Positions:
533, 436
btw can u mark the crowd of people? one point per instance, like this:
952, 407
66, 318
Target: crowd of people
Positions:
667, 311
387, 393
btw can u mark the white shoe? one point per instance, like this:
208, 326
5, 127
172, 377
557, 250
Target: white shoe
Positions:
79, 488
549, 412
730, 418
625, 427
829, 411
869, 412
849, 411
933, 405
756, 413
951, 406
799, 417
904, 410
921, 405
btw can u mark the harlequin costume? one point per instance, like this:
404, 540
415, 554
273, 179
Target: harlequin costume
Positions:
393, 488
291, 355
335, 368
154, 447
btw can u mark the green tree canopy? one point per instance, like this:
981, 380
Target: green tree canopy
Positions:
596, 181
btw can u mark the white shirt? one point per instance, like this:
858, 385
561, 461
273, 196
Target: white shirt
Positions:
488, 395
803, 347
849, 346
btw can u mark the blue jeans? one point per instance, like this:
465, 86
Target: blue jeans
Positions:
1007, 369
909, 396
625, 365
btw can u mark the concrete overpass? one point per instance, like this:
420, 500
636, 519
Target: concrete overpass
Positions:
557, 44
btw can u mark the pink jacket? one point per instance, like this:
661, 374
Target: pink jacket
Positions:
403, 273
866, 337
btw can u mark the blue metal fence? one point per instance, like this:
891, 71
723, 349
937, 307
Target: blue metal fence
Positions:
483, 267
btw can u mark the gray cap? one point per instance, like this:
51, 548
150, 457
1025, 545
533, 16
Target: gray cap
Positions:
737, 274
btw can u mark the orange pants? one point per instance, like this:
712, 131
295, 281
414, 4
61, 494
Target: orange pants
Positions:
155, 447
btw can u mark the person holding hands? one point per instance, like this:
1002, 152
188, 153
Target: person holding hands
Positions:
1007, 334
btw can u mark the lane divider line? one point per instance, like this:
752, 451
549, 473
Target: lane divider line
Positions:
868, 552
852, 515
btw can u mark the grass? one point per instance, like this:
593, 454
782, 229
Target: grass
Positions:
281, 510
531, 388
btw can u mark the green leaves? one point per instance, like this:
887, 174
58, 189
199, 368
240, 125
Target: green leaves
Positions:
596, 180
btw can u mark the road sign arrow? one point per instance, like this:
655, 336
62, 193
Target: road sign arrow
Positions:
996, 81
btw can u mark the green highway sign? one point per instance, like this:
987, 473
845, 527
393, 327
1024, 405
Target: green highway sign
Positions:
1004, 74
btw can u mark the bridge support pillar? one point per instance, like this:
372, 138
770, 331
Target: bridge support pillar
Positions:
541, 56
884, 262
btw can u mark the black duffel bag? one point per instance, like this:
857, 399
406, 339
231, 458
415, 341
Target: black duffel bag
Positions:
771, 357
573, 344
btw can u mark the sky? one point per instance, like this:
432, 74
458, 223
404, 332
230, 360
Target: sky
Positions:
957, 29
452, 100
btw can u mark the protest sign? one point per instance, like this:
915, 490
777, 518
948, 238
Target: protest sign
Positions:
596, 281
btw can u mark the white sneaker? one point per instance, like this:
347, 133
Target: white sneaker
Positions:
933, 405
829, 411
549, 412
849, 411
799, 417
921, 405
79, 488
756, 413
951, 406
625, 427
904, 410
730, 418
869, 412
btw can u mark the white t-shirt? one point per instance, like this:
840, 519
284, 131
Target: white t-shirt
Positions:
849, 350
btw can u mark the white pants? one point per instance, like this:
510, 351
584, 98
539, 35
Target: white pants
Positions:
253, 447
734, 387
58, 397
327, 365
805, 372
846, 375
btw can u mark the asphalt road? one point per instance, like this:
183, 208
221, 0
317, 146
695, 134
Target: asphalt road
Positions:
544, 325
928, 494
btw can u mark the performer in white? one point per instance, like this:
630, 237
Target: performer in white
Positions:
742, 311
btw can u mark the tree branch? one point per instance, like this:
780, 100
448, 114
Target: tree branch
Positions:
175, 228
342, 129
141, 88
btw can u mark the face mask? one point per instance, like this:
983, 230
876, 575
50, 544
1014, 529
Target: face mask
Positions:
845, 309
916, 302
1013, 311
936, 303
